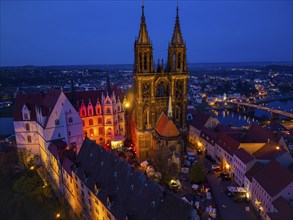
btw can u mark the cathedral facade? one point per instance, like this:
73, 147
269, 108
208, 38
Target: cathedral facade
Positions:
158, 90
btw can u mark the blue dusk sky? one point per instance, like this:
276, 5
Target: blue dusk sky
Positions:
103, 32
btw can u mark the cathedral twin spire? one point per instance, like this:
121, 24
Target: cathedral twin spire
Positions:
144, 53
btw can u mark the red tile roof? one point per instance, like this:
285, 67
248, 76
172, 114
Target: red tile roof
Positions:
256, 167
227, 143
257, 134
45, 101
166, 127
209, 135
284, 210
199, 120
273, 178
269, 151
243, 155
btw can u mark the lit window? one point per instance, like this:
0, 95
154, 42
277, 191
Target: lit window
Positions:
29, 139
27, 126
91, 132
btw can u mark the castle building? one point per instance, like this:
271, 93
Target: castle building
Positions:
102, 114
42, 118
163, 90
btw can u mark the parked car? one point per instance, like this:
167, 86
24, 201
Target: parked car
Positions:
216, 168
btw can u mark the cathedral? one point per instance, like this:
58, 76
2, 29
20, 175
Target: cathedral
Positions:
160, 97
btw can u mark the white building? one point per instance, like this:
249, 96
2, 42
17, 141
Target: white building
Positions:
42, 118
242, 162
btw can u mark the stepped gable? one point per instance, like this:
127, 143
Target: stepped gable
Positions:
46, 101
273, 182
92, 95
166, 128
125, 190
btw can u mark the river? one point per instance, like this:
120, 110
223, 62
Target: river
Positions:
237, 119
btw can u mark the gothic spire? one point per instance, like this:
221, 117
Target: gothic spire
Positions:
143, 36
177, 36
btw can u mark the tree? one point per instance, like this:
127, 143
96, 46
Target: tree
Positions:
196, 173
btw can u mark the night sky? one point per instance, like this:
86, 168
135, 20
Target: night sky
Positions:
103, 32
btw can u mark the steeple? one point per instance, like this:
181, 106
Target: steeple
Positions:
177, 50
143, 37
143, 51
177, 36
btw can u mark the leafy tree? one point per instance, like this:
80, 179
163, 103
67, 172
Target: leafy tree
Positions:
196, 173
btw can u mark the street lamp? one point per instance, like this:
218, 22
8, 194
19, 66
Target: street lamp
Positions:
58, 215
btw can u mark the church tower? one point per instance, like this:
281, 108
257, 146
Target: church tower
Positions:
163, 90
177, 68
143, 51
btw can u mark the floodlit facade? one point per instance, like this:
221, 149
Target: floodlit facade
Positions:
161, 90
42, 118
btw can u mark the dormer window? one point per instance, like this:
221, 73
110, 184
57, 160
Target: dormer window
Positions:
25, 113
99, 110
108, 102
70, 120
57, 122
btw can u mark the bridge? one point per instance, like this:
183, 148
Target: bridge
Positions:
274, 111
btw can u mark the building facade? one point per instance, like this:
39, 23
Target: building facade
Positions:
42, 118
154, 88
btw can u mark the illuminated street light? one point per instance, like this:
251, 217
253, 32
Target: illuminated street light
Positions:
58, 215
32, 168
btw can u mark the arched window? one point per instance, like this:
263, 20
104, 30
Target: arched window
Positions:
108, 111
99, 110
29, 139
83, 112
179, 61
91, 122
27, 126
99, 120
91, 132
140, 61
174, 61
145, 61
109, 131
